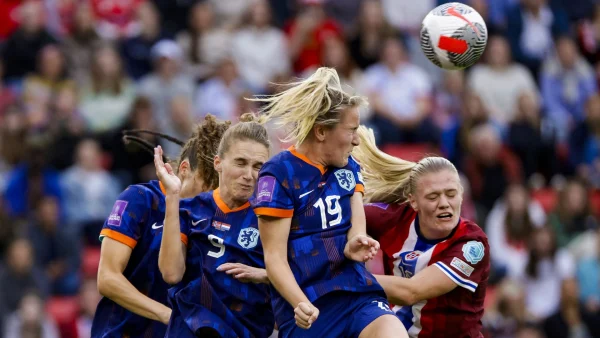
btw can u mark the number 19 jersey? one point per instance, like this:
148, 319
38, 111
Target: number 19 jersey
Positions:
318, 202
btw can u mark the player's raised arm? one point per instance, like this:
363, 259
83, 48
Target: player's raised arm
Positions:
171, 257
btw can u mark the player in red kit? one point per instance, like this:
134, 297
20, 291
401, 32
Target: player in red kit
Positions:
436, 263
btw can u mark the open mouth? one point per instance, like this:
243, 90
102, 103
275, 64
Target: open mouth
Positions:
445, 216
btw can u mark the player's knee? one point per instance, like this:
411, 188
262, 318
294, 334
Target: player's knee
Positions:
384, 326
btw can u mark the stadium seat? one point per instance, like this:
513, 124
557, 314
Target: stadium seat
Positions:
410, 152
547, 197
64, 311
90, 260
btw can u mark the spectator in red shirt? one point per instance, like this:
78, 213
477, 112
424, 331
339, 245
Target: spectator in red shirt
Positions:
307, 34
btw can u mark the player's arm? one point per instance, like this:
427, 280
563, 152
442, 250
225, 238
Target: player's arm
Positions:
112, 283
245, 273
359, 247
171, 257
274, 234
427, 284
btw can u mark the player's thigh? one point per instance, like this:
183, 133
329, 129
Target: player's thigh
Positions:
374, 318
384, 326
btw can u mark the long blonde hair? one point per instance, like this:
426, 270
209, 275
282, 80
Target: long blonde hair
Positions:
319, 99
389, 179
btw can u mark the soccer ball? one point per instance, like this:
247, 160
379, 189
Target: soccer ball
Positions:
453, 36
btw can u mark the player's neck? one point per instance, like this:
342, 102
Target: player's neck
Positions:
434, 235
311, 151
229, 201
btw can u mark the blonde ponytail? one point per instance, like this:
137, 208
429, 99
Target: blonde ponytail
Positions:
389, 179
318, 99
386, 177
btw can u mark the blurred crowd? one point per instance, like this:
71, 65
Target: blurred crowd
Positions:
522, 126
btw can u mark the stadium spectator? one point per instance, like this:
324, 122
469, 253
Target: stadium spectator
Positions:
572, 214
509, 227
567, 81
30, 320
500, 81
136, 50
107, 97
400, 95
260, 50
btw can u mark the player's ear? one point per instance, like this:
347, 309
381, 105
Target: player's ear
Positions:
413, 202
184, 168
218, 164
319, 131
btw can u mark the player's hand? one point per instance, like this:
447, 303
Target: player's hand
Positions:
165, 173
361, 248
305, 315
245, 273
165, 315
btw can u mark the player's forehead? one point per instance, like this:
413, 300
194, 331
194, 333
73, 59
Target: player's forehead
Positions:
248, 150
438, 182
350, 118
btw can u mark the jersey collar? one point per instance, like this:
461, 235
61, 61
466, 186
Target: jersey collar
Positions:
224, 208
294, 152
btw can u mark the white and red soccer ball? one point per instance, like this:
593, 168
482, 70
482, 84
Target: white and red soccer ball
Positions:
453, 36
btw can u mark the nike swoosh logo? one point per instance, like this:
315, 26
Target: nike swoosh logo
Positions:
454, 13
196, 223
306, 193
154, 226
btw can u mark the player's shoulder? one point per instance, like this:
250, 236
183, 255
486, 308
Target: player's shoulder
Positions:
202, 201
472, 231
279, 164
142, 192
402, 210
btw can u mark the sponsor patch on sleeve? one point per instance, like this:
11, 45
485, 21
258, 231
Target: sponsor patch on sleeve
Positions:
116, 215
266, 186
461, 266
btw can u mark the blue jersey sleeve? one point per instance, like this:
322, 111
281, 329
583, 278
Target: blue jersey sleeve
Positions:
360, 185
273, 196
129, 211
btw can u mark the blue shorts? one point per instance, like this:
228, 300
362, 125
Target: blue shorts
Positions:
210, 326
341, 314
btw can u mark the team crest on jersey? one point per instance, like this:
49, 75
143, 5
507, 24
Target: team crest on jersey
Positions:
411, 256
248, 238
345, 179
473, 251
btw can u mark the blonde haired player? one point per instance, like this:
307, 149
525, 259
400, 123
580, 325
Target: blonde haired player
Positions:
436, 263
311, 217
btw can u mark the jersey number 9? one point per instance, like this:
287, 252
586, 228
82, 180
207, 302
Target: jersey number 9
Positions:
218, 242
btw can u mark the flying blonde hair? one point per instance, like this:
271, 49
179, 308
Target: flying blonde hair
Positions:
319, 99
389, 179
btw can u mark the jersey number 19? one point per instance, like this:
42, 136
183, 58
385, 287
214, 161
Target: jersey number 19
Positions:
333, 208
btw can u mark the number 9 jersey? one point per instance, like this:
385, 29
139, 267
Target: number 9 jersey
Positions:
206, 297
318, 202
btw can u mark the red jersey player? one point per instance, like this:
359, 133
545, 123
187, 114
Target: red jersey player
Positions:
436, 263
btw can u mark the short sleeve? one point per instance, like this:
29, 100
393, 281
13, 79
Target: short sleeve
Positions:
272, 196
360, 184
184, 225
128, 212
466, 262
